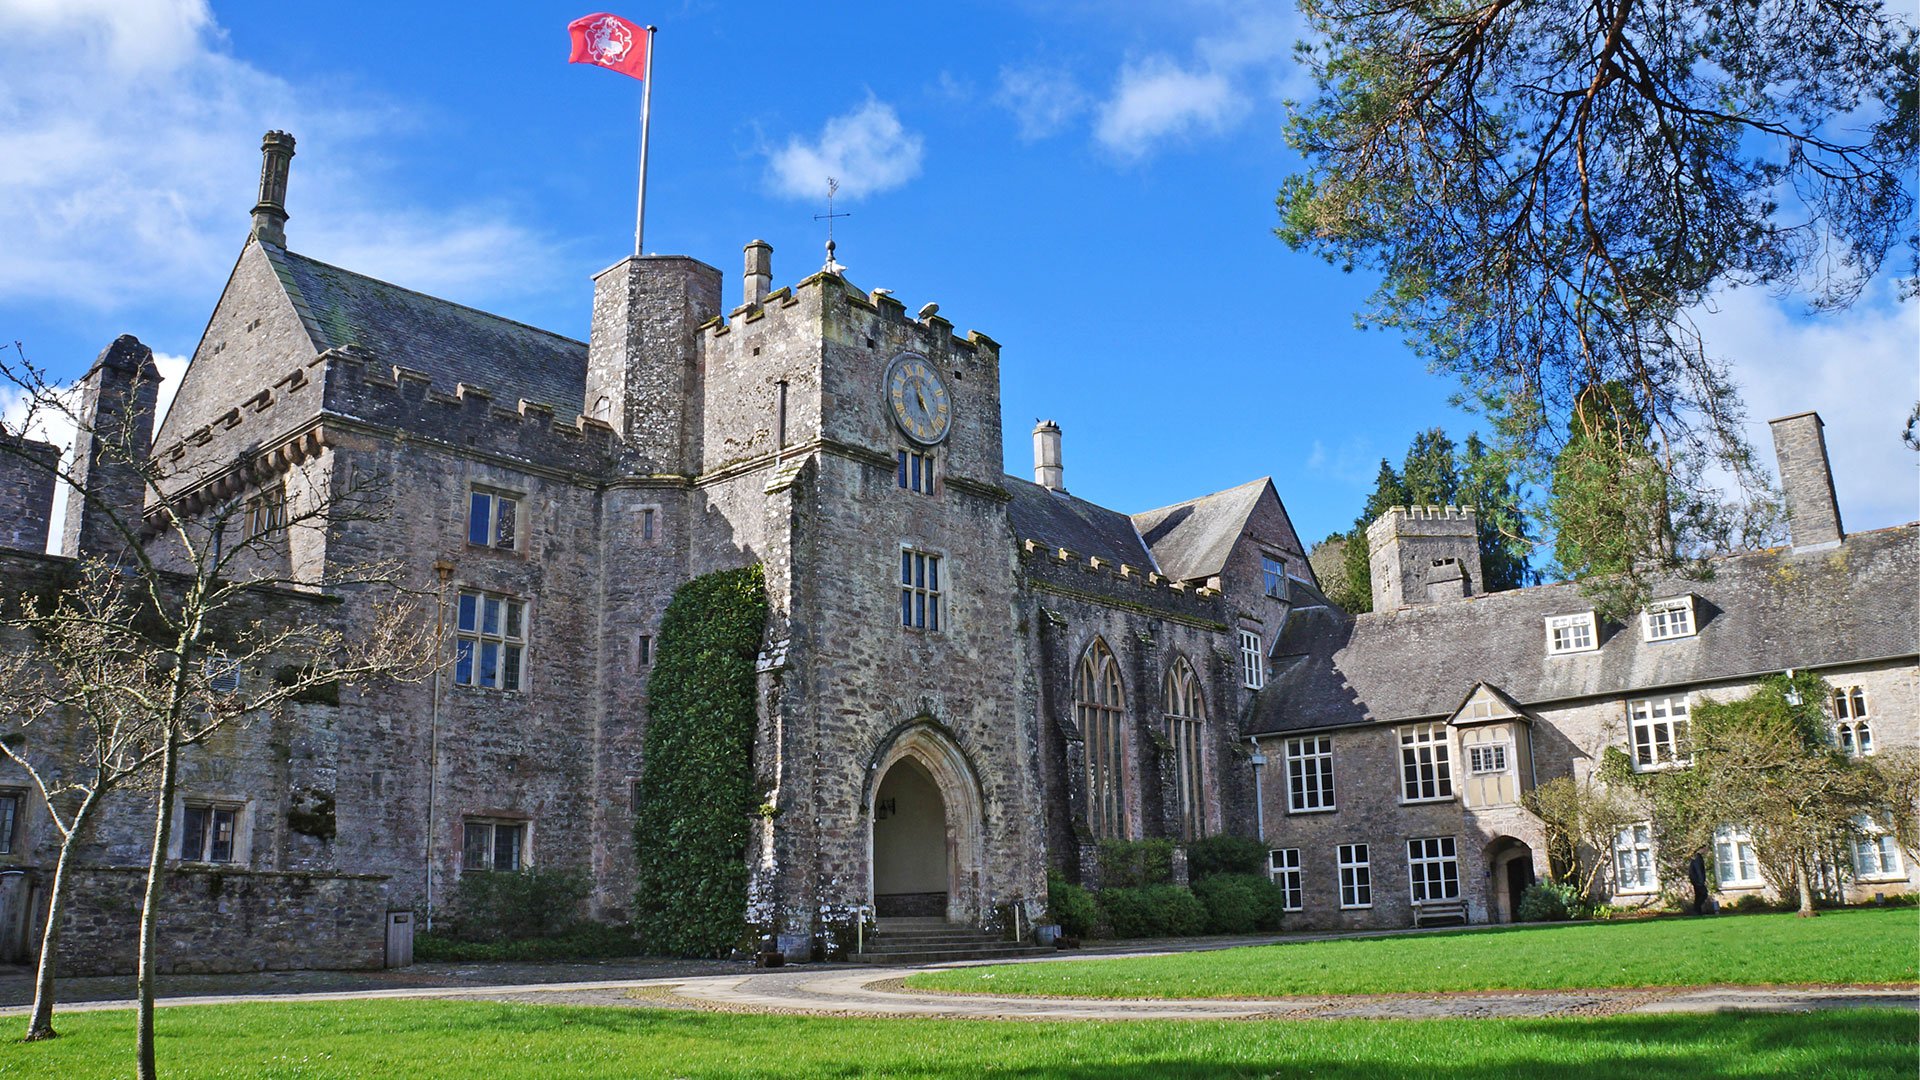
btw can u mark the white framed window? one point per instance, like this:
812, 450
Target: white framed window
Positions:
208, 831
222, 674
1310, 774
1665, 620
1633, 870
1659, 727
919, 590
10, 804
266, 513
490, 641
493, 845
1484, 758
1571, 634
1876, 857
1426, 766
1283, 869
1433, 869
1100, 706
1273, 575
1356, 877
1852, 732
916, 471
1734, 862
1186, 715
1253, 660
493, 520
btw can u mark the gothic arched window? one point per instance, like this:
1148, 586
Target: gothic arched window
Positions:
1186, 713
1100, 706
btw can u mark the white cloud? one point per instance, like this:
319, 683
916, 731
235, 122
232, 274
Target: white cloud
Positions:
1859, 368
129, 150
1042, 99
1156, 99
868, 150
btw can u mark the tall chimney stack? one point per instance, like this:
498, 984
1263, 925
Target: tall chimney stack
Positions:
270, 213
1047, 470
759, 280
1813, 514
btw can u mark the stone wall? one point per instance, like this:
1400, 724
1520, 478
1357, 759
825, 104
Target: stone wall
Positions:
26, 492
223, 920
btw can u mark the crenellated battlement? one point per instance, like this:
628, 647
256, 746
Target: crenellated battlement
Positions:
1052, 566
829, 287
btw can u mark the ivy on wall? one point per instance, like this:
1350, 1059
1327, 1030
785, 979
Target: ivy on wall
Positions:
696, 786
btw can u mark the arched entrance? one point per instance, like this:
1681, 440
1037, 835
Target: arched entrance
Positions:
1509, 872
924, 844
911, 860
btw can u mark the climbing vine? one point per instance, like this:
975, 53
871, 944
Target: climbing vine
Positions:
696, 786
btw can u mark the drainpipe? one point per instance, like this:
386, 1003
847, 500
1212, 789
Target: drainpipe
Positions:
445, 571
1259, 799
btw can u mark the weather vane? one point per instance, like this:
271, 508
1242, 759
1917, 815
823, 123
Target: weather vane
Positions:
833, 266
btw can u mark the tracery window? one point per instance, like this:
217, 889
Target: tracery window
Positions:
1186, 712
1851, 730
1100, 706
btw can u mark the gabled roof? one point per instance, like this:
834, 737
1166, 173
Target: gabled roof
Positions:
1500, 696
1192, 540
1057, 519
1759, 612
451, 342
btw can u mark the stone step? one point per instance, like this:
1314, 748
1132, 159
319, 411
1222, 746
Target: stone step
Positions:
936, 936
1006, 951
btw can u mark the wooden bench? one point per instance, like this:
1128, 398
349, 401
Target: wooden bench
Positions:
1425, 911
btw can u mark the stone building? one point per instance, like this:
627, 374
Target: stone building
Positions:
967, 677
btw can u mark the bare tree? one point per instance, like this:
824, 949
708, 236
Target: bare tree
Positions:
196, 622
1582, 818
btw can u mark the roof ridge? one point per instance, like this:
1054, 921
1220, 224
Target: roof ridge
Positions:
291, 254
1257, 481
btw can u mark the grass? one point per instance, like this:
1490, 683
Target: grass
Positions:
1854, 946
446, 1039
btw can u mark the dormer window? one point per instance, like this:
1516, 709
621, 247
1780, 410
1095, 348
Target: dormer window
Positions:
1571, 634
1665, 620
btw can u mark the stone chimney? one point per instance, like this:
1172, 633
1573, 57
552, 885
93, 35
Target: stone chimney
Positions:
1047, 470
1423, 555
642, 352
117, 399
27, 470
1813, 515
759, 279
270, 213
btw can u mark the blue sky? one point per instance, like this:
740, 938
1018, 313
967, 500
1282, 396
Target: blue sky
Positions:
1090, 184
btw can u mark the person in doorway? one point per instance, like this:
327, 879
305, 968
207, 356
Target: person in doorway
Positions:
1697, 877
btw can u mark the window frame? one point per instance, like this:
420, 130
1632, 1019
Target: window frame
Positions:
470, 643
1679, 730
495, 499
1355, 876
1582, 620
1438, 738
523, 846
1100, 715
1186, 717
1318, 760
1892, 864
205, 847
1273, 576
265, 512
14, 802
914, 471
1499, 747
1736, 839
1443, 857
918, 599
1283, 869
1852, 726
1636, 840
1650, 621
1253, 659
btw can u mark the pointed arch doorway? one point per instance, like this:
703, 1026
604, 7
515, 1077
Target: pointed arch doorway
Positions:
924, 813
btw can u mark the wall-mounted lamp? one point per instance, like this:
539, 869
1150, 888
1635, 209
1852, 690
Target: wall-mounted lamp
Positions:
883, 809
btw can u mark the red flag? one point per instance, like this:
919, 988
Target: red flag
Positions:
611, 42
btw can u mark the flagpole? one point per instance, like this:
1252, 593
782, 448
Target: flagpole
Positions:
646, 109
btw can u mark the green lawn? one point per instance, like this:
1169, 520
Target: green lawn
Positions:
1854, 946
494, 1041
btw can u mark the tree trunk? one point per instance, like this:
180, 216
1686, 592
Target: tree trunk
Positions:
1806, 889
150, 904
41, 1025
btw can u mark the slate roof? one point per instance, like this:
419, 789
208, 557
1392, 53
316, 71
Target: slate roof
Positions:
1759, 612
1058, 519
1191, 540
451, 342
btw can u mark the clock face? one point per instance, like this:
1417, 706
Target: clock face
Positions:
918, 399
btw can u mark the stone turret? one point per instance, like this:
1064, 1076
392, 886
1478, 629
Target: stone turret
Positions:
641, 355
1423, 555
270, 213
117, 400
